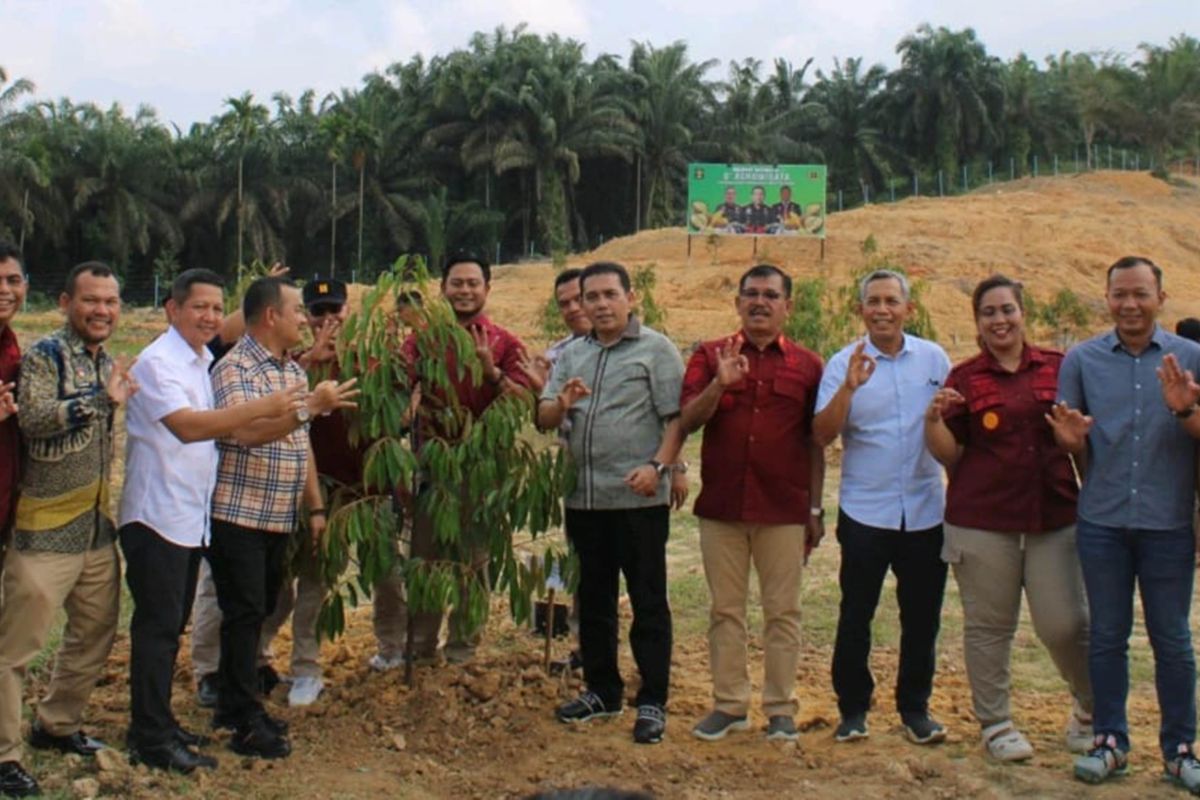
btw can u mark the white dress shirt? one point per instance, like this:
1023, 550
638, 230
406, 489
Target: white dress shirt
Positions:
169, 484
889, 478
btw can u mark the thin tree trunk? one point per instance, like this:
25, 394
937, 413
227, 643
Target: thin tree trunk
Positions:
362, 176
24, 217
240, 262
333, 224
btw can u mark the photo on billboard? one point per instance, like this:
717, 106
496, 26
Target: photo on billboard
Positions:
756, 200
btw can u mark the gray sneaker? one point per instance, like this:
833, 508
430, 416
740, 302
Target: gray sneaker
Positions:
922, 728
782, 728
851, 728
1184, 770
1105, 760
717, 724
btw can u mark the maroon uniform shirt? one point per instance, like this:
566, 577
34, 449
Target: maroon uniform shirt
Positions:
754, 459
1012, 477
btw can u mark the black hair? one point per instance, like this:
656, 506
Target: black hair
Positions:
1188, 328
1129, 262
997, 281
766, 271
181, 287
9, 250
409, 297
264, 293
566, 276
464, 257
95, 268
606, 268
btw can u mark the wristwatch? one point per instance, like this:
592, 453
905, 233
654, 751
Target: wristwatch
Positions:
303, 415
659, 467
817, 512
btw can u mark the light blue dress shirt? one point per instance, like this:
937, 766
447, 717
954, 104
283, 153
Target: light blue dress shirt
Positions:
889, 478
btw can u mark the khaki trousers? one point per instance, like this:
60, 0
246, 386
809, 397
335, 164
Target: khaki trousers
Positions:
991, 569
206, 625
777, 551
35, 586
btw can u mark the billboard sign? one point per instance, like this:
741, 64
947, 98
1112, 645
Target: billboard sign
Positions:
757, 199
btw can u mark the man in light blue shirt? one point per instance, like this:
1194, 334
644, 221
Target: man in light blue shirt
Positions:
1135, 512
875, 393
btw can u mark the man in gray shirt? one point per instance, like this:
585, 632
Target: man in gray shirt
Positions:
619, 386
1135, 512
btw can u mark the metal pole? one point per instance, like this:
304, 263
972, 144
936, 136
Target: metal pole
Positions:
1077, 159
1110, 156
892, 186
1056, 163
1012, 168
866, 194
156, 291
1123, 155
839, 205
941, 188
1137, 161
966, 183
916, 185
989, 172
1035, 165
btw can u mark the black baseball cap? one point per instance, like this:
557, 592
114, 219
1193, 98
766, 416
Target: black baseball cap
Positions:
324, 291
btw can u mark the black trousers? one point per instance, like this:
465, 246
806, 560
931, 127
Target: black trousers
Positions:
915, 557
633, 542
247, 568
162, 580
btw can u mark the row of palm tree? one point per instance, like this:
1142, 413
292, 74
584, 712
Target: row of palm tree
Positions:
520, 143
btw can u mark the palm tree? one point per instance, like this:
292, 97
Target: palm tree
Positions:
671, 97
851, 101
947, 95
752, 123
1168, 96
240, 128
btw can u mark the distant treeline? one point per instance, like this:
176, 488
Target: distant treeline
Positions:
519, 144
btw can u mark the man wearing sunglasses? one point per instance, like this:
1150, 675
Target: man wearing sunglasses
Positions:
760, 501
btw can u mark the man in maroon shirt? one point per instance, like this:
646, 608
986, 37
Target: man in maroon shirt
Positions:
12, 295
466, 282
762, 476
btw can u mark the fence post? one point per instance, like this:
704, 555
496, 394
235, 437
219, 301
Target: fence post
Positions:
1035, 165
1137, 162
1110, 156
989, 172
156, 291
1123, 154
1077, 159
941, 187
916, 185
1012, 168
1056, 163
866, 194
966, 183
497, 261
354, 276
839, 199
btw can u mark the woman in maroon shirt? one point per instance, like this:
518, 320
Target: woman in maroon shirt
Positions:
1010, 516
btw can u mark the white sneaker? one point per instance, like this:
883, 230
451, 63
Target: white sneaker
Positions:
381, 663
1003, 742
1080, 734
305, 691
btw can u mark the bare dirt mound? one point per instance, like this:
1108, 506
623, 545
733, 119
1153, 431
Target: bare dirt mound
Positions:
1049, 233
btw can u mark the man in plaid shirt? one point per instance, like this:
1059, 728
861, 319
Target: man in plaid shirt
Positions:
264, 472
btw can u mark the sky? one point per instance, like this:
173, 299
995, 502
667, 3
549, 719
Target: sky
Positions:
185, 58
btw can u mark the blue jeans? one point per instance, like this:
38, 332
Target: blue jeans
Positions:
1163, 563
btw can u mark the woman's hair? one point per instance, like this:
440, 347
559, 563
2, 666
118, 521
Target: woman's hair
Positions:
996, 282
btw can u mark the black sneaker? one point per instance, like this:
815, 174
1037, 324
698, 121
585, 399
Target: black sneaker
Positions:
585, 707
259, 738
16, 782
921, 728
206, 691
781, 727
651, 724
852, 728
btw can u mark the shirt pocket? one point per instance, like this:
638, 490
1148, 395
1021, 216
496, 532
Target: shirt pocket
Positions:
733, 395
791, 387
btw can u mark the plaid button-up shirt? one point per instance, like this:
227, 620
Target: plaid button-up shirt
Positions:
258, 487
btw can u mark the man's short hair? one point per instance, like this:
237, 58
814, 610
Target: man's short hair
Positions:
409, 297
96, 269
766, 271
464, 257
884, 275
567, 276
264, 293
1188, 328
181, 287
9, 250
606, 268
1129, 262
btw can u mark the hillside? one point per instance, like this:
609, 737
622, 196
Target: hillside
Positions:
1047, 232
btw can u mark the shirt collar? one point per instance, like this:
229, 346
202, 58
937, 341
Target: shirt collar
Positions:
259, 353
1157, 339
633, 330
76, 345
875, 352
1030, 356
174, 340
744, 338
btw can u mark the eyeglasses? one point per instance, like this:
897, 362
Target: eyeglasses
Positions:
754, 294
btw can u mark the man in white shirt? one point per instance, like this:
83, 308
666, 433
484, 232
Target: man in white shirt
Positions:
170, 471
875, 393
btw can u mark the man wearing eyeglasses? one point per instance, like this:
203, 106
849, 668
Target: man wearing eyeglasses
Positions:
760, 501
